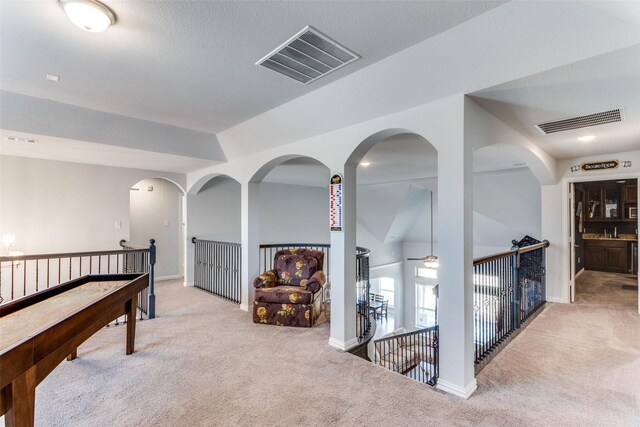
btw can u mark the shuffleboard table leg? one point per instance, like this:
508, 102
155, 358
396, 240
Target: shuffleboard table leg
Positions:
131, 308
19, 398
73, 354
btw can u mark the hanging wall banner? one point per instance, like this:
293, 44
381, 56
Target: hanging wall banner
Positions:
335, 203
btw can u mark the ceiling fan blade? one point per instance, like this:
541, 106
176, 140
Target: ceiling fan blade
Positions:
417, 259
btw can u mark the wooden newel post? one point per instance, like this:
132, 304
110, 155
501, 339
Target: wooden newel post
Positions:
152, 263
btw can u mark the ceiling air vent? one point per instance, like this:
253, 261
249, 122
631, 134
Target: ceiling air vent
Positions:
20, 139
594, 119
307, 56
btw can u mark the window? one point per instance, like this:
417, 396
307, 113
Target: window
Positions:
427, 273
426, 304
384, 286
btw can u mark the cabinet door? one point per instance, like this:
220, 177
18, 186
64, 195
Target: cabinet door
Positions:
616, 259
594, 257
631, 193
611, 199
593, 207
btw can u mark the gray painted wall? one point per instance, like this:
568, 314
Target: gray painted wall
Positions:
55, 206
293, 214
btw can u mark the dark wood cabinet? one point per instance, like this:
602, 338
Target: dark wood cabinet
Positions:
603, 202
610, 201
630, 193
630, 202
606, 255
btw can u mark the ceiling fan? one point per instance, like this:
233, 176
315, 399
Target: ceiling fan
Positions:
430, 261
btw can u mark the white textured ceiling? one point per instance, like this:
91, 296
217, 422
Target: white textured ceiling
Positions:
597, 84
191, 63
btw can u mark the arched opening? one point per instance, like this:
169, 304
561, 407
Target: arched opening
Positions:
293, 202
156, 211
214, 211
396, 181
213, 230
286, 207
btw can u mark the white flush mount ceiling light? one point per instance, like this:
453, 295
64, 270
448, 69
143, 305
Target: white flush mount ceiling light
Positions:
586, 138
90, 15
365, 164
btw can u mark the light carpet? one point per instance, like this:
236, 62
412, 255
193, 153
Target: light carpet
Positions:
202, 362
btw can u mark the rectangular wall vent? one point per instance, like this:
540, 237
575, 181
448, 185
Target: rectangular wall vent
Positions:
307, 56
594, 119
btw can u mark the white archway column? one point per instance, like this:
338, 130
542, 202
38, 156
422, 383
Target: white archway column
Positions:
455, 250
250, 239
343, 267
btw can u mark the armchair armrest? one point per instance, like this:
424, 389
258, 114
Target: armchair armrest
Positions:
315, 282
268, 279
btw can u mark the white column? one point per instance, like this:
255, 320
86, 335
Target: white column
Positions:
250, 239
189, 250
455, 247
343, 268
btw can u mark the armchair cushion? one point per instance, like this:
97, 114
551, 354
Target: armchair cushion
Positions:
268, 279
292, 268
284, 295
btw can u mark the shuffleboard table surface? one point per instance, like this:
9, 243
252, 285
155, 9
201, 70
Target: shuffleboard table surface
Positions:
23, 324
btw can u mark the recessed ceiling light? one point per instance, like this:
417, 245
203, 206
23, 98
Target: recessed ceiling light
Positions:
586, 138
90, 15
53, 77
365, 164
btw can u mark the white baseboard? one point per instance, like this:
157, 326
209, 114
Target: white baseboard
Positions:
185, 284
341, 345
579, 272
163, 278
456, 390
244, 307
558, 300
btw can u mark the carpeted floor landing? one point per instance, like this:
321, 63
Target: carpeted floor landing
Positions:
202, 362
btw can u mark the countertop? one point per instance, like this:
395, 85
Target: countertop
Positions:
600, 236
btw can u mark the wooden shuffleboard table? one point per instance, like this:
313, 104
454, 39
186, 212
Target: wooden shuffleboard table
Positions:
39, 331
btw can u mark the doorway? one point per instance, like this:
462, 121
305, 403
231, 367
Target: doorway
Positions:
604, 237
156, 212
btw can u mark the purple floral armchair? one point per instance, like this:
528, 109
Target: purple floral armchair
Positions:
291, 293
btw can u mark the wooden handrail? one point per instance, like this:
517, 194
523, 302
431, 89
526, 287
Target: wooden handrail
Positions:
362, 252
407, 334
277, 245
493, 257
195, 239
543, 244
525, 249
70, 254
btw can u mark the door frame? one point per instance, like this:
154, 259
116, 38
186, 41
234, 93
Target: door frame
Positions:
572, 242
568, 222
